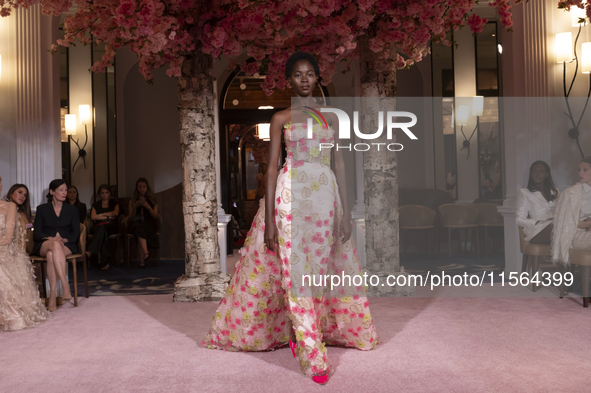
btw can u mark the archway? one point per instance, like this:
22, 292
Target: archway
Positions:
242, 105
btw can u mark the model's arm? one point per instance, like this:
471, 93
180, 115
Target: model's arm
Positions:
274, 150
341, 175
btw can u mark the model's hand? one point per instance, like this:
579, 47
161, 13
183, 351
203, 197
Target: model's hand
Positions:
345, 230
271, 238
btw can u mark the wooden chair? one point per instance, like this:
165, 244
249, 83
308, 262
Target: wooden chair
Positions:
532, 254
583, 259
417, 218
456, 216
488, 217
74, 259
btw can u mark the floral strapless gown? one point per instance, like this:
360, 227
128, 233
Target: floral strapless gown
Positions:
265, 299
20, 305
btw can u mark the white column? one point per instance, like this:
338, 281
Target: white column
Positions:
358, 211
223, 218
526, 135
38, 146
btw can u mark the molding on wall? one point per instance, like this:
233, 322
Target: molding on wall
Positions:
37, 121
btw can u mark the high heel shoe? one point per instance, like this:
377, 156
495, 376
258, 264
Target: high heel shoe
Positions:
292, 345
321, 379
52, 309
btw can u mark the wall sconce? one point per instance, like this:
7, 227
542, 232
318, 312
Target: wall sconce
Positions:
564, 47
71, 125
566, 52
577, 16
84, 112
463, 110
263, 131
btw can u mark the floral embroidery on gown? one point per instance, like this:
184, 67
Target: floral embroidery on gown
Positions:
266, 299
20, 305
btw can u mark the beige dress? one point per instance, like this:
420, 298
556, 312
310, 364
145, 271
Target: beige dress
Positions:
573, 206
20, 305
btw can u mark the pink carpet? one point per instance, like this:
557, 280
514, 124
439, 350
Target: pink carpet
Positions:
149, 344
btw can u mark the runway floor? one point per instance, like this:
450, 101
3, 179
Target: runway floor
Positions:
445, 344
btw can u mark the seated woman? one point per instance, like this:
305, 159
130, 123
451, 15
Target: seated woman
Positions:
143, 218
73, 199
536, 204
19, 194
56, 234
20, 305
573, 217
104, 214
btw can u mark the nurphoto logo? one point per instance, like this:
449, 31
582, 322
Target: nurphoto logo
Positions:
392, 122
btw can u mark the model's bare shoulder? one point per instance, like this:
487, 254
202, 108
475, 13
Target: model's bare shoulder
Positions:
282, 117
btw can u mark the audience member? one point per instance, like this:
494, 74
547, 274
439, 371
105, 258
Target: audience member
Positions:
573, 217
56, 234
73, 199
536, 204
143, 219
104, 214
20, 305
19, 194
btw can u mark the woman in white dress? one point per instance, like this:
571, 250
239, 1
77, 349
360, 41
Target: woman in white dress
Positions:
20, 305
573, 217
536, 204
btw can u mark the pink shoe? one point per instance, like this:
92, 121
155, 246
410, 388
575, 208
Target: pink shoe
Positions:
292, 345
321, 379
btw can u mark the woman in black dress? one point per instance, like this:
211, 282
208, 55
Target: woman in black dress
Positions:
73, 199
143, 219
57, 230
104, 214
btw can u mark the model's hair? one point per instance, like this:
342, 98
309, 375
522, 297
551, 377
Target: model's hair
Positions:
104, 187
150, 197
25, 208
54, 186
293, 59
550, 191
587, 160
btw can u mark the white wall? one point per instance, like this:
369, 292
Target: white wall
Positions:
29, 102
7, 103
